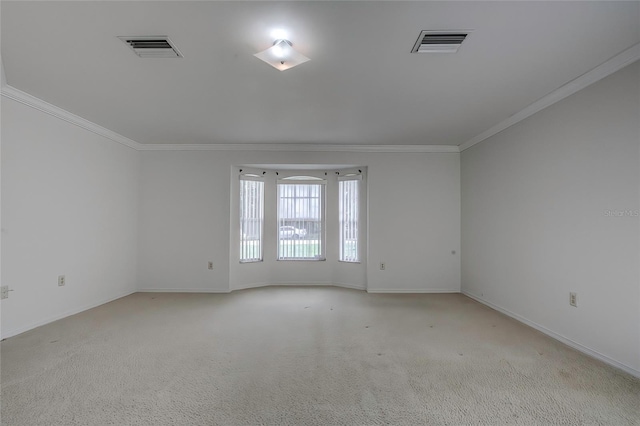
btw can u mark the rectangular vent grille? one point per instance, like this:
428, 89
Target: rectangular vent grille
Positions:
152, 46
439, 42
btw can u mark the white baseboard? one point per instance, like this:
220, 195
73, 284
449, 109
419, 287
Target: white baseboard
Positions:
300, 284
411, 290
65, 314
182, 290
251, 285
248, 286
285, 284
559, 337
351, 286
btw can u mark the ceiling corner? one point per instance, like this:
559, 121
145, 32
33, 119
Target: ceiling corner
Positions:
616, 63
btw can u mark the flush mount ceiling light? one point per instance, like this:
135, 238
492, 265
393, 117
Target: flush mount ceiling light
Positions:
281, 55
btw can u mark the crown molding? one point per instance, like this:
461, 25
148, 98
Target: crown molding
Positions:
36, 103
603, 70
40, 105
3, 77
300, 147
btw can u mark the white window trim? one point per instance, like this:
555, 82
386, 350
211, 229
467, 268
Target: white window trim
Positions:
298, 179
344, 178
292, 181
350, 177
253, 178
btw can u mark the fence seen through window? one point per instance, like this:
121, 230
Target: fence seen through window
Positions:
300, 221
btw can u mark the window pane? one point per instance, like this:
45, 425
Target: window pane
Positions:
300, 221
251, 220
348, 212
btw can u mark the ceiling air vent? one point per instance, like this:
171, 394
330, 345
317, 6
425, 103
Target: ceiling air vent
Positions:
439, 41
152, 46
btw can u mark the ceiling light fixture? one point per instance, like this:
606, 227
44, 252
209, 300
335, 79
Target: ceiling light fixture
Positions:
281, 55
279, 34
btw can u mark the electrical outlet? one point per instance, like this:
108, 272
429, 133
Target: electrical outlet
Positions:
573, 299
4, 292
382, 266
61, 280
210, 265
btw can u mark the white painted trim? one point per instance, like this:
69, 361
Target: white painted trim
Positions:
40, 105
251, 285
559, 337
286, 284
351, 286
55, 111
3, 76
300, 284
603, 70
411, 290
248, 286
182, 290
68, 313
300, 147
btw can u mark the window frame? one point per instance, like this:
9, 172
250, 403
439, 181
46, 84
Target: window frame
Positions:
248, 177
349, 178
303, 180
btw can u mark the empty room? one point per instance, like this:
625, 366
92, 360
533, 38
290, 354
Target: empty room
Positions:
320, 213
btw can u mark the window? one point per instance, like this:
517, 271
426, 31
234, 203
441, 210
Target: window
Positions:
301, 218
348, 211
251, 218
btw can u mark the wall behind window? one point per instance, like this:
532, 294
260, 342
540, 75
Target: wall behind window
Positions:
185, 221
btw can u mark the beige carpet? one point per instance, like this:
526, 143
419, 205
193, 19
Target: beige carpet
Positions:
304, 356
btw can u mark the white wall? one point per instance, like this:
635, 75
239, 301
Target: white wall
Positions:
534, 222
413, 219
69, 207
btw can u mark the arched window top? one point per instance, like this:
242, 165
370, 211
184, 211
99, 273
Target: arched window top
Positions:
251, 176
302, 180
297, 178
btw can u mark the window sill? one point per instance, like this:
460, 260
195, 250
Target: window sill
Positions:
301, 260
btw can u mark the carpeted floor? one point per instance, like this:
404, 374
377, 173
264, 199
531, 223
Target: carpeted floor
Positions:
304, 356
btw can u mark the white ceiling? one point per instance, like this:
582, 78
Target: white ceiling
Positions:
362, 86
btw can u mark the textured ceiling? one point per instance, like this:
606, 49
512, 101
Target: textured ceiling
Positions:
362, 86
